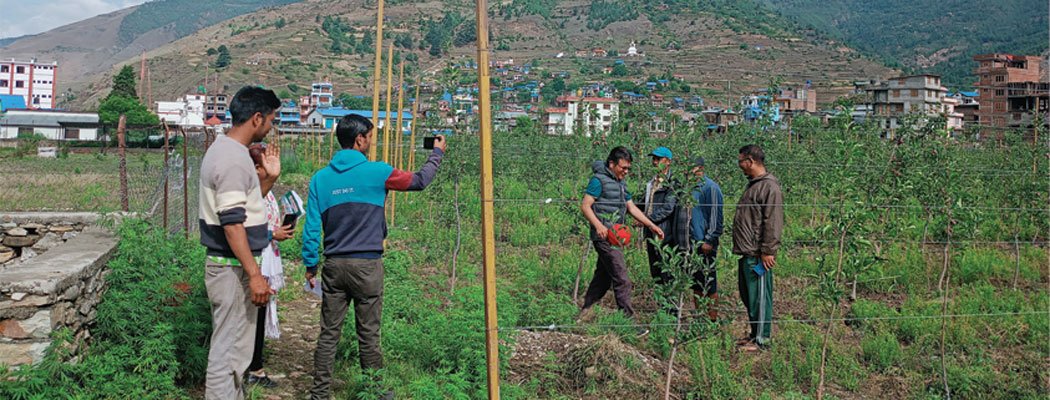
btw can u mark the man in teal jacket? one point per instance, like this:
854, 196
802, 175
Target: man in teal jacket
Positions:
346, 200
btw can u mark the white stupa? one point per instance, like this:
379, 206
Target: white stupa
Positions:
632, 51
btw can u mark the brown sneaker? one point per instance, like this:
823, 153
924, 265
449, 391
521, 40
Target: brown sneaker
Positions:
750, 347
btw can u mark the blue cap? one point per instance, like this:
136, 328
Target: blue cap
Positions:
661, 152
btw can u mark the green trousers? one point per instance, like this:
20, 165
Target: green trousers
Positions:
757, 294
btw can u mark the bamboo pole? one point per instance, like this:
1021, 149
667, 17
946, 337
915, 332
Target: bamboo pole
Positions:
389, 95
167, 133
376, 73
121, 135
331, 140
488, 234
412, 134
398, 137
185, 186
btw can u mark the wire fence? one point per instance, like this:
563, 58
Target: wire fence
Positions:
159, 184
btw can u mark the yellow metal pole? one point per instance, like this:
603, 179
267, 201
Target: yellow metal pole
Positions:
376, 72
399, 133
389, 94
488, 236
412, 134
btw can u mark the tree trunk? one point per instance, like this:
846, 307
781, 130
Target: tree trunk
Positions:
579, 270
944, 320
674, 346
834, 312
455, 252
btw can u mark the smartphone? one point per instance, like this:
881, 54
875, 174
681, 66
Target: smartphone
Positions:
428, 142
759, 269
290, 219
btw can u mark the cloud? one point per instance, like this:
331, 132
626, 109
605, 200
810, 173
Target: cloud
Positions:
27, 17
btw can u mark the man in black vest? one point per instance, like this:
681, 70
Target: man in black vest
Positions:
606, 202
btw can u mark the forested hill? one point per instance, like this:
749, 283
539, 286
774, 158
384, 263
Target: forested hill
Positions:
184, 17
935, 36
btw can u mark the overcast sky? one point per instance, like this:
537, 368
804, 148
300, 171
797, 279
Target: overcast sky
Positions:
26, 17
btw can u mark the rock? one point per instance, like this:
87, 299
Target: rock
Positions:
8, 225
37, 327
17, 232
10, 328
86, 307
69, 235
590, 372
62, 315
27, 301
27, 254
33, 227
49, 241
20, 241
72, 292
15, 354
18, 296
295, 374
6, 255
60, 229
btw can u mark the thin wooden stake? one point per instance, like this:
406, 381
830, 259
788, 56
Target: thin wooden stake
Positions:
121, 128
389, 96
376, 75
488, 233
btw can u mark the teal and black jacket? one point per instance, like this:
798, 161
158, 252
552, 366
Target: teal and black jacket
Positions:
346, 200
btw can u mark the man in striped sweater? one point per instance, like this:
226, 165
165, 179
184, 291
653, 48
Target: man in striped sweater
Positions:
234, 230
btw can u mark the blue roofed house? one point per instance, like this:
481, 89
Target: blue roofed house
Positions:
331, 116
8, 101
288, 115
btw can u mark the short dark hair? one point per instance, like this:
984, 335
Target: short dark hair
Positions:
755, 153
250, 100
619, 153
350, 127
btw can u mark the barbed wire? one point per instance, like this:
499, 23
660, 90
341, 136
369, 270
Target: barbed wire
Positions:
556, 327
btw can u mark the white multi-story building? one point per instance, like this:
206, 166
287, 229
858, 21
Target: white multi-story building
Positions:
590, 114
892, 99
187, 111
321, 94
32, 80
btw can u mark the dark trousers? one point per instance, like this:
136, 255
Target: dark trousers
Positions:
610, 270
656, 267
346, 280
260, 341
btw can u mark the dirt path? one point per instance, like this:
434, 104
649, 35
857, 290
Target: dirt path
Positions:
290, 360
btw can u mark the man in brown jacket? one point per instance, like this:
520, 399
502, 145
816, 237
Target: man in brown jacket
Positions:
757, 228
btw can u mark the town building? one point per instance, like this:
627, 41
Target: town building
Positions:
321, 94
891, 100
51, 124
588, 114
1006, 89
34, 81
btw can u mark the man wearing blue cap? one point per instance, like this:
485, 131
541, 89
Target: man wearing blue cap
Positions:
661, 206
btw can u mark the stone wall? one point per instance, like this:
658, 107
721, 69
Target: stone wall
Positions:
54, 290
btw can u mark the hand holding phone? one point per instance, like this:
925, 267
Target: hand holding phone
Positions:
428, 142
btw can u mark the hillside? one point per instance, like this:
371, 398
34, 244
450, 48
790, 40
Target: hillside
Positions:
91, 47
714, 48
939, 37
